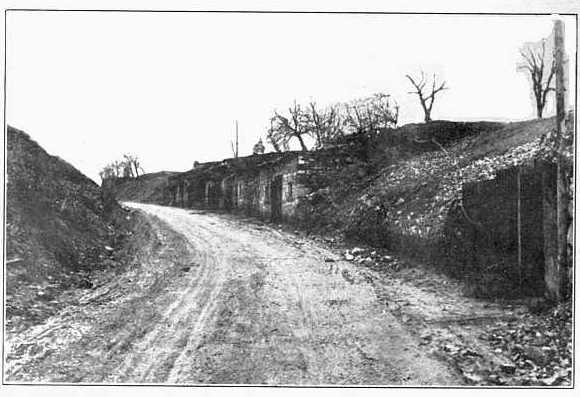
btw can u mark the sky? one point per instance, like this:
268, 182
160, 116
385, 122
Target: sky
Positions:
168, 87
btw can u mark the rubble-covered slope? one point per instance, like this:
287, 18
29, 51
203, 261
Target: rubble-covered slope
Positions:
412, 197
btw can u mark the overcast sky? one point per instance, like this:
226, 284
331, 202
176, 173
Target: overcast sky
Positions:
168, 87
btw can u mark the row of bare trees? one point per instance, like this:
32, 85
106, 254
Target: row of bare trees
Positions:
128, 167
324, 125
370, 114
367, 115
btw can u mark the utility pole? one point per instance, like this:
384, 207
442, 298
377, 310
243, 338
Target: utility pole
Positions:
519, 227
235, 147
237, 143
555, 183
562, 201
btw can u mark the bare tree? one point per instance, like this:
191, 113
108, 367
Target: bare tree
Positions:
108, 172
425, 98
273, 138
356, 117
385, 110
367, 115
133, 164
324, 125
295, 125
534, 62
117, 167
128, 170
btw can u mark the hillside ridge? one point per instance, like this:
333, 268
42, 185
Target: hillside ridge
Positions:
59, 227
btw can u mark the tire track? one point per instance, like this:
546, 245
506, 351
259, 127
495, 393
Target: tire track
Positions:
184, 320
256, 306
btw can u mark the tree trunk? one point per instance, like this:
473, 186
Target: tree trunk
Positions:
426, 110
539, 110
304, 148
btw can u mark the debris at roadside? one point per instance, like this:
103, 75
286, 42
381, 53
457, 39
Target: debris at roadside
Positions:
376, 259
487, 343
537, 347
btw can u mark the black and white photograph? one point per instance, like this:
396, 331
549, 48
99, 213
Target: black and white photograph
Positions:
322, 198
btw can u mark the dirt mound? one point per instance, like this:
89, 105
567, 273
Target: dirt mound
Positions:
59, 227
148, 188
421, 137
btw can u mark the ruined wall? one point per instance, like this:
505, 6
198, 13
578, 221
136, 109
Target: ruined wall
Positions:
194, 189
329, 177
293, 187
253, 193
272, 186
245, 186
245, 194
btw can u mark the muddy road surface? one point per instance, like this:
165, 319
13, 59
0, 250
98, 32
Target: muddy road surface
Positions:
218, 300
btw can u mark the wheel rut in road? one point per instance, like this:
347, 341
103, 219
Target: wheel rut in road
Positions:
235, 303
276, 314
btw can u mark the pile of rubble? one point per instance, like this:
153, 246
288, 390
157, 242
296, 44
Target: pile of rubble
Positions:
372, 258
538, 347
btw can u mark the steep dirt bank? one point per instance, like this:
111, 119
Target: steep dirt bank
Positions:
86, 338
59, 228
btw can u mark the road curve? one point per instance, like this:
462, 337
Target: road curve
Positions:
250, 305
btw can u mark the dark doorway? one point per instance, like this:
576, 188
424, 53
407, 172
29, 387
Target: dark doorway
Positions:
276, 198
228, 194
212, 195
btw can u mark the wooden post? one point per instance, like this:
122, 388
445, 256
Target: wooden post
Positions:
562, 215
555, 188
519, 226
237, 145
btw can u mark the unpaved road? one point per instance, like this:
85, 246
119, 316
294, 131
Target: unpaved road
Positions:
223, 301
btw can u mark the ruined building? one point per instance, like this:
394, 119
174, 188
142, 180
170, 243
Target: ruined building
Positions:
269, 186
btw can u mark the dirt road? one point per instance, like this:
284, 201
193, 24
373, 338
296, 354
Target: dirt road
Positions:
222, 301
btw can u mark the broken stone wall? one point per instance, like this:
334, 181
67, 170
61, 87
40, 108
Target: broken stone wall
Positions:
244, 194
245, 185
256, 191
242, 185
328, 177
